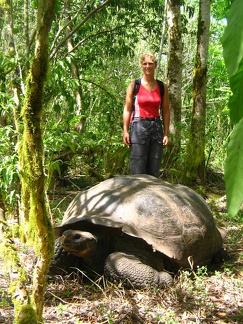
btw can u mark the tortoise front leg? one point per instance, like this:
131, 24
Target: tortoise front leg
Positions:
126, 268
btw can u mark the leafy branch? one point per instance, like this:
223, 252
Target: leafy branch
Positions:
91, 13
97, 34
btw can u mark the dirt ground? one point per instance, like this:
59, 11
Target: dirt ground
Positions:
208, 296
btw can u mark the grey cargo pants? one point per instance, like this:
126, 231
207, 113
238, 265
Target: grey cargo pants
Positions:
146, 137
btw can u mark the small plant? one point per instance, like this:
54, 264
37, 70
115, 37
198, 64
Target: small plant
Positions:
110, 316
67, 293
108, 313
3, 300
202, 271
147, 310
61, 308
169, 318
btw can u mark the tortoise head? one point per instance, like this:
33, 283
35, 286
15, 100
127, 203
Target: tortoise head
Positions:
80, 243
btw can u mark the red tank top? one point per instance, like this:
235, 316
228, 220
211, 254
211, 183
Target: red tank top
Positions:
147, 103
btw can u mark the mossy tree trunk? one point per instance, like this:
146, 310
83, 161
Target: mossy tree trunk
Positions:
174, 79
31, 155
195, 156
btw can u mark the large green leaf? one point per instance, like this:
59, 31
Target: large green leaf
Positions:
234, 170
233, 38
233, 56
236, 101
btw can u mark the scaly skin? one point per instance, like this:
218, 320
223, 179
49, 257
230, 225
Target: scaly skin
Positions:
134, 263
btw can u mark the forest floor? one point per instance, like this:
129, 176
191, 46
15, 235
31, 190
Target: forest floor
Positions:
210, 295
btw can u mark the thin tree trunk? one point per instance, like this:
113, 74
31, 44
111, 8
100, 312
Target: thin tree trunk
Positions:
26, 32
17, 81
174, 79
74, 69
64, 163
31, 160
195, 161
162, 39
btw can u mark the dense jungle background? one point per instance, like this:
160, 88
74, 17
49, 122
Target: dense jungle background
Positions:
64, 69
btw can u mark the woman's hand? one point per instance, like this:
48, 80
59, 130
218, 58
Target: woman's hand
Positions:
165, 140
126, 139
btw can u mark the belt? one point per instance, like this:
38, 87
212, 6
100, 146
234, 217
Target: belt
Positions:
149, 119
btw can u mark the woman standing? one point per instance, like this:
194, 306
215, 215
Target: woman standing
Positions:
147, 137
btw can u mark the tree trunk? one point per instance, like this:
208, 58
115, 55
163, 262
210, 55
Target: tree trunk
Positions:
162, 40
174, 79
195, 159
31, 160
63, 164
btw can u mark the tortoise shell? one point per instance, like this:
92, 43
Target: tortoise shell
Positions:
172, 218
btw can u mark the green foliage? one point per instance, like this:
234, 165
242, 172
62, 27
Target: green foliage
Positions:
24, 313
233, 55
9, 177
220, 7
98, 68
236, 100
234, 170
233, 38
104, 59
218, 93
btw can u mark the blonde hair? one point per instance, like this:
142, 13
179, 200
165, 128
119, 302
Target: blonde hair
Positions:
150, 56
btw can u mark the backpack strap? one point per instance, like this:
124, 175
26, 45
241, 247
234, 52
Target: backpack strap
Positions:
161, 88
162, 91
135, 91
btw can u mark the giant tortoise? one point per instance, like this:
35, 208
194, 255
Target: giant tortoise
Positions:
137, 230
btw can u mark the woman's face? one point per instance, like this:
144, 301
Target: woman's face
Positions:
148, 66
